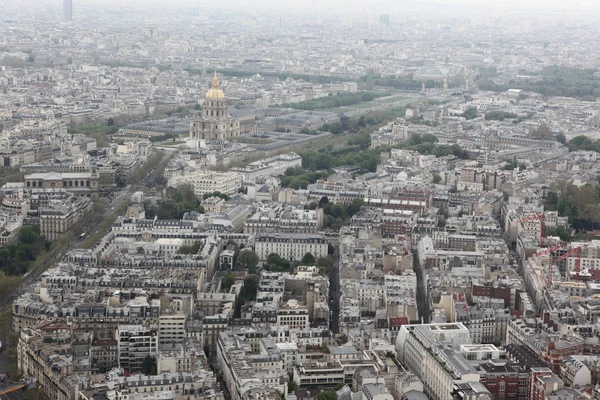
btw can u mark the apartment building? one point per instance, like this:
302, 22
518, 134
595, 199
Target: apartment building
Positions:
290, 246
171, 328
439, 365
134, 344
58, 217
293, 314
247, 359
210, 182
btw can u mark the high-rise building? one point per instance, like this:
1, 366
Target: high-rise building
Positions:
68, 10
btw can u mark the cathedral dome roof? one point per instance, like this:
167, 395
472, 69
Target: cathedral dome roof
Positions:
215, 93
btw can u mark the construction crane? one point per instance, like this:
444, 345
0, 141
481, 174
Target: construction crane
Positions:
549, 250
535, 217
575, 250
16, 386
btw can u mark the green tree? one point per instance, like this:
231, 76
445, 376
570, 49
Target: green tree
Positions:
290, 171
313, 205
228, 281
470, 113
149, 365
354, 207
292, 386
543, 132
247, 260
561, 232
110, 121
337, 211
249, 289
326, 395
561, 138
29, 235
308, 259
187, 193
437, 179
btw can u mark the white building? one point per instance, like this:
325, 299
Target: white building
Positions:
134, 344
431, 352
210, 182
290, 246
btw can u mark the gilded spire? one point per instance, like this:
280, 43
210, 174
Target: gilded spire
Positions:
215, 93
215, 80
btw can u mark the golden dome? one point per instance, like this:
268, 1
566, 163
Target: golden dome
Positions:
215, 93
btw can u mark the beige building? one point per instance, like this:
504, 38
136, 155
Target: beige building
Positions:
83, 183
171, 328
293, 314
58, 217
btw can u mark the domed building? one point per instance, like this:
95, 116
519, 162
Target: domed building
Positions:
215, 123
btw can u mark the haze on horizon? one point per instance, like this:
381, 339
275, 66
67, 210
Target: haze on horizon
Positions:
341, 6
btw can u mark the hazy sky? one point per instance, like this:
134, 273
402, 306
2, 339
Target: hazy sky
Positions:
434, 8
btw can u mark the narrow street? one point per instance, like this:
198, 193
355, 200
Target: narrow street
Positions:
334, 295
422, 303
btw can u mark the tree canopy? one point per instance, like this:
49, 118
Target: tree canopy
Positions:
553, 81
227, 282
249, 289
247, 260
580, 204
15, 258
583, 143
326, 395
183, 201
308, 259
336, 100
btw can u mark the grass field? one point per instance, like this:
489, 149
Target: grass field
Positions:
251, 140
368, 104
391, 99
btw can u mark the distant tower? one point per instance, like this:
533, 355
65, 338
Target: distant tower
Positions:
204, 77
384, 19
423, 87
445, 83
68, 10
467, 85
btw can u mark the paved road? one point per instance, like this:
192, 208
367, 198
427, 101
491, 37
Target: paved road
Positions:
334, 295
422, 302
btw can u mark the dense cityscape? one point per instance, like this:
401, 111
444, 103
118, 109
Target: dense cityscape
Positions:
377, 201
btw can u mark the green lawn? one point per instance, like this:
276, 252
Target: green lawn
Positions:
391, 99
251, 140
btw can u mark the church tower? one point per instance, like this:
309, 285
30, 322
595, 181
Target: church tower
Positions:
215, 123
